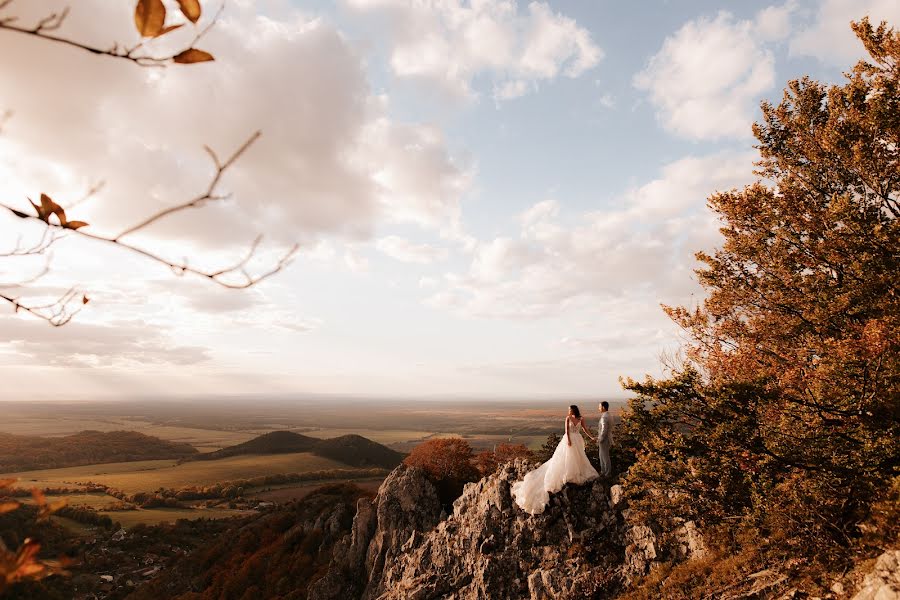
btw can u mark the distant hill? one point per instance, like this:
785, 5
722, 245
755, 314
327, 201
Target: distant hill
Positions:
276, 442
352, 450
30, 453
357, 451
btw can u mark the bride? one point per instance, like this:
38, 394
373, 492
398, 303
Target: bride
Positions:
569, 464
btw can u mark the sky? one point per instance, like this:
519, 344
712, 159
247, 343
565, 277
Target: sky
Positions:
491, 198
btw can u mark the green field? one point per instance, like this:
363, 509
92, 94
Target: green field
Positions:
74, 527
150, 475
288, 492
155, 516
95, 501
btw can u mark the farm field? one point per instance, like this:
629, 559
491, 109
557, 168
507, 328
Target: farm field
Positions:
150, 475
288, 492
155, 516
97, 501
205, 440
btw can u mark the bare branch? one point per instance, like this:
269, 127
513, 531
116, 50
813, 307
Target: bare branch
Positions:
48, 238
57, 313
134, 54
61, 311
209, 194
92, 191
236, 276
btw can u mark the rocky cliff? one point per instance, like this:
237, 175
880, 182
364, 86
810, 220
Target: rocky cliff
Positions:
401, 548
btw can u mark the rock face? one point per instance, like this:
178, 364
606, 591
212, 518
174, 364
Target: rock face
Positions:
406, 506
883, 582
488, 548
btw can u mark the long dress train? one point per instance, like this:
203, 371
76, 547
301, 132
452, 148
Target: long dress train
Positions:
569, 464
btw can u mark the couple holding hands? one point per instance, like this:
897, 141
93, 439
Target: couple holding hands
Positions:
569, 463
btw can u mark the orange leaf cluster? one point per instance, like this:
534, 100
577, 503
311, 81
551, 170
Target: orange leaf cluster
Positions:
24, 563
150, 21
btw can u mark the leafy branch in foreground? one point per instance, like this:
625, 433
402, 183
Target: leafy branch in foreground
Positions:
150, 18
23, 563
54, 217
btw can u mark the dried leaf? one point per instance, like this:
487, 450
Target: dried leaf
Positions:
149, 17
5, 483
168, 28
29, 570
190, 9
75, 224
49, 207
6, 507
192, 55
85, 299
38, 496
28, 551
37, 209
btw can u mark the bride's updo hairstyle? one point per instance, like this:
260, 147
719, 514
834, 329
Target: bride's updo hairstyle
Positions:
575, 412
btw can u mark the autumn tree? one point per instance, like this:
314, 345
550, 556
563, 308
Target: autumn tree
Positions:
787, 410
152, 22
487, 461
448, 462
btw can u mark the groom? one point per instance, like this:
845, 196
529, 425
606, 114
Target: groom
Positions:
604, 439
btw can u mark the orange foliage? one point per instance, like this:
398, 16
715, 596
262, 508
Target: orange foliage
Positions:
23, 563
487, 462
444, 459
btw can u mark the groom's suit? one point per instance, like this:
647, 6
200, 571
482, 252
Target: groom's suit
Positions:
604, 441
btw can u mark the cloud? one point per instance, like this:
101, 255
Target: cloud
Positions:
450, 44
405, 251
829, 37
79, 344
641, 250
330, 161
708, 78
416, 179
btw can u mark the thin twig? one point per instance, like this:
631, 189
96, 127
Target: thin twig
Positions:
56, 313
54, 21
92, 191
235, 276
199, 200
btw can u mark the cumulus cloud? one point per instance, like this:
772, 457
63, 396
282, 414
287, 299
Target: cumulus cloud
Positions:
330, 162
416, 179
452, 43
829, 37
79, 344
708, 78
405, 251
643, 249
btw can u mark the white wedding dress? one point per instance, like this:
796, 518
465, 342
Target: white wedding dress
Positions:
569, 464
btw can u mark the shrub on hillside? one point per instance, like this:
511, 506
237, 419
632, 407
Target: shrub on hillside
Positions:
448, 463
487, 462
